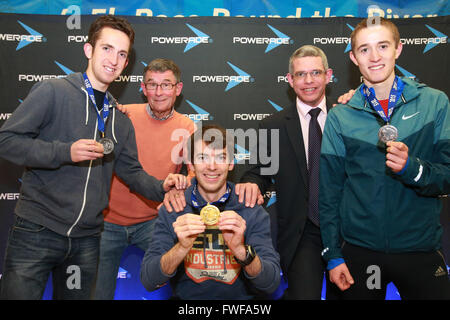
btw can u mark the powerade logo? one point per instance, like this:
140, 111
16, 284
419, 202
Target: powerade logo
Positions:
191, 42
430, 43
66, 70
123, 274
256, 116
271, 43
241, 154
129, 78
276, 107
200, 115
5, 116
9, 196
250, 116
405, 72
335, 40
284, 79
40, 77
232, 80
23, 39
77, 38
272, 196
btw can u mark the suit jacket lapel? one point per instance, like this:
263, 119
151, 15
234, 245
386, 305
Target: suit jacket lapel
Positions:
295, 135
329, 105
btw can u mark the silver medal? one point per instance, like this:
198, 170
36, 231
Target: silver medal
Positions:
108, 145
388, 133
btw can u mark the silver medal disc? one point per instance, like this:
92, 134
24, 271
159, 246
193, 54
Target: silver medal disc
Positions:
108, 145
388, 133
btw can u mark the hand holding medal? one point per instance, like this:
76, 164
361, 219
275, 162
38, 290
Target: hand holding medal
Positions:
210, 215
85, 149
396, 156
387, 133
187, 227
108, 145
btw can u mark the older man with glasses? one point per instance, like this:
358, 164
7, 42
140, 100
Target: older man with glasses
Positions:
297, 180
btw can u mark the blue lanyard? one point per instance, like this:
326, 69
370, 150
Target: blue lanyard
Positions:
396, 91
101, 121
222, 199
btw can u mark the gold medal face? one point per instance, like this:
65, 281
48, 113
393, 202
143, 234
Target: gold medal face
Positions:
210, 215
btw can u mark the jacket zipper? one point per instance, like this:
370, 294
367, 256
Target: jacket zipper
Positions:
85, 189
403, 100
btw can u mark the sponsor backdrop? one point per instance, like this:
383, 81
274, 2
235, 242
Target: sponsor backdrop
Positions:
233, 70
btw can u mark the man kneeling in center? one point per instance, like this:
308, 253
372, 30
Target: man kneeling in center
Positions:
216, 248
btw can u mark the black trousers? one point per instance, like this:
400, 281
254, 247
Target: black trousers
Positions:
416, 275
306, 272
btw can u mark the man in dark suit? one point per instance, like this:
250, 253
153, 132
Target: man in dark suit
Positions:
296, 181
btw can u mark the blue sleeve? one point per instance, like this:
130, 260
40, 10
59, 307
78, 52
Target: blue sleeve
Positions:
404, 168
333, 263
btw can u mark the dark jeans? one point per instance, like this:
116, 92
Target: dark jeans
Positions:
416, 275
33, 251
306, 272
114, 240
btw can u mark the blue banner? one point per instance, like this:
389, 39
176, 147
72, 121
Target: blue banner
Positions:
234, 8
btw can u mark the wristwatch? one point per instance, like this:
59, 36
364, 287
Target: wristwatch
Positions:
249, 256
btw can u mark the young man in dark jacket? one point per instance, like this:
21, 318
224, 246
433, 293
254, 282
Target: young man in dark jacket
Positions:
385, 160
70, 138
216, 248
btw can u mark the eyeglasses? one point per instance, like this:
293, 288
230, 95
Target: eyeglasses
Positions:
314, 74
164, 86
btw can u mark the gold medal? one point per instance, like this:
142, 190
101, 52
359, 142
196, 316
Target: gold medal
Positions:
210, 214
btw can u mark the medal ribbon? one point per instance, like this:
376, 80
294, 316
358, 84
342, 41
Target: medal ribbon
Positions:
101, 121
222, 199
219, 203
396, 91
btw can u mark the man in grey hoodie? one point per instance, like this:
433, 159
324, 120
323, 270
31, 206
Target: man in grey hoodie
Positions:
56, 133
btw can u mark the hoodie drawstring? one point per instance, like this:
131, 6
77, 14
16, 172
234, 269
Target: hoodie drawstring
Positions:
113, 121
86, 105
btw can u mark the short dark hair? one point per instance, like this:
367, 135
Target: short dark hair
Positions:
113, 22
163, 65
215, 137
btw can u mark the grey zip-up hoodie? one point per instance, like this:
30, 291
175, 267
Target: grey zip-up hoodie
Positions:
57, 193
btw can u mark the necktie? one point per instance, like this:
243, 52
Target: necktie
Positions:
315, 140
